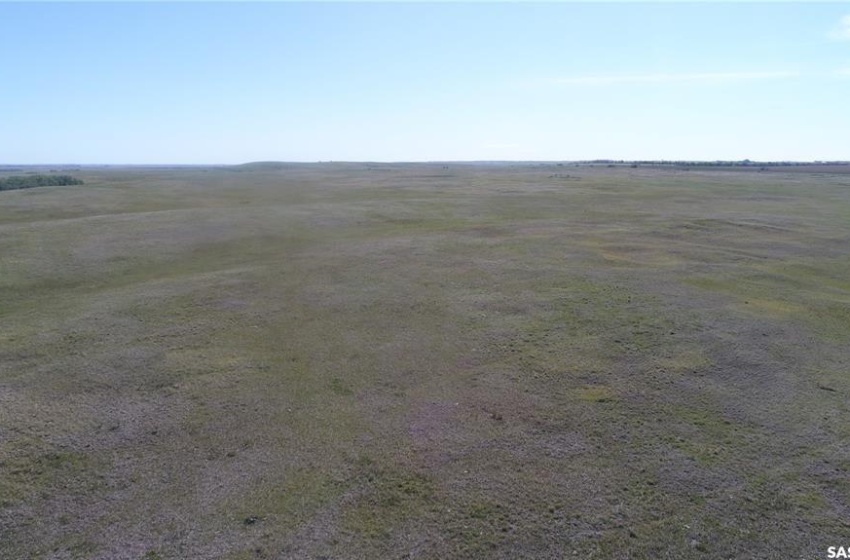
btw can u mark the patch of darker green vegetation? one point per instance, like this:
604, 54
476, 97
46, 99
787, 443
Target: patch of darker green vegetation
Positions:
30, 181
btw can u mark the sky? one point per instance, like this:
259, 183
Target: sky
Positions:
222, 83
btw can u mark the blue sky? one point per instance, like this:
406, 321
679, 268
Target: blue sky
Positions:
234, 82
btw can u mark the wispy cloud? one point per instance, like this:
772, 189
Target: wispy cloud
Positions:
702, 77
844, 72
841, 32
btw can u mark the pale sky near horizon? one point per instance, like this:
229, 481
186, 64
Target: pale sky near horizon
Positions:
221, 83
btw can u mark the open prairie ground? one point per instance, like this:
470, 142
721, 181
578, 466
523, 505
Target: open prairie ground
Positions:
425, 361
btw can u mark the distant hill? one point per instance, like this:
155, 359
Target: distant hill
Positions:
266, 165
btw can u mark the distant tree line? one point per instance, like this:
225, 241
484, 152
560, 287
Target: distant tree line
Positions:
30, 181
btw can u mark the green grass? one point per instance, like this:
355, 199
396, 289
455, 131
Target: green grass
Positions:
381, 361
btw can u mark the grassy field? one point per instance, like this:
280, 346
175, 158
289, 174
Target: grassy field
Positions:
425, 361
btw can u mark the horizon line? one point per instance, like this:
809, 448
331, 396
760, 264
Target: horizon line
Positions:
746, 161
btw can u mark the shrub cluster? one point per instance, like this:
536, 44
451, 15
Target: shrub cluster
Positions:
29, 181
